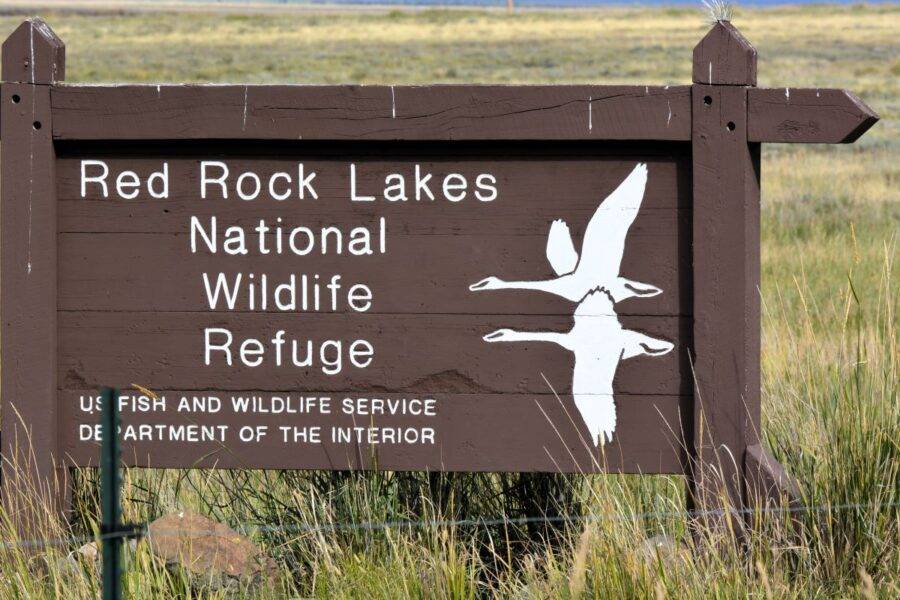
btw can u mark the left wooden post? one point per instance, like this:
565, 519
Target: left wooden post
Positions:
35, 483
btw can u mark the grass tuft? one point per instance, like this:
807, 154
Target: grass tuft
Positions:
718, 10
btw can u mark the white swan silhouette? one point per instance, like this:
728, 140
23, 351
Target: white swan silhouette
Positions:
601, 250
599, 342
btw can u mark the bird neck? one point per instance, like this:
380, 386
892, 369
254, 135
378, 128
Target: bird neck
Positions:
538, 336
543, 285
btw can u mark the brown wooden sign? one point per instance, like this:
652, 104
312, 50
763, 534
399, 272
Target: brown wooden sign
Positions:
449, 278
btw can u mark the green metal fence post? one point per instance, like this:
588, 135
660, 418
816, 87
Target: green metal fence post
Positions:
110, 482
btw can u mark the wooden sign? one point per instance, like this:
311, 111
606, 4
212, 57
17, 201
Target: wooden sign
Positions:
444, 278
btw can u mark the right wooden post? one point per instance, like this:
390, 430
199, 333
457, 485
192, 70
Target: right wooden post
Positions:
726, 267
730, 470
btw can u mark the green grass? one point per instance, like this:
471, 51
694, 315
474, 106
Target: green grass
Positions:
830, 406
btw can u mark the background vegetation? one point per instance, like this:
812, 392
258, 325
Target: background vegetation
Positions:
830, 406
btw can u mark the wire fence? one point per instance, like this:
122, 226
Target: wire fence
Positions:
113, 533
250, 528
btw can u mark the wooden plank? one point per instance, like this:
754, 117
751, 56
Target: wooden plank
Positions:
471, 432
425, 274
806, 115
532, 190
28, 268
412, 353
451, 112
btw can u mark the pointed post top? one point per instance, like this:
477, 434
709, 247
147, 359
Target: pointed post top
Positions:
724, 57
34, 54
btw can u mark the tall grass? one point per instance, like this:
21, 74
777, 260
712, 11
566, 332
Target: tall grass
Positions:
830, 408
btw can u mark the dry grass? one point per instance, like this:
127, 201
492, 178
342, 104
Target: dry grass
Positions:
831, 412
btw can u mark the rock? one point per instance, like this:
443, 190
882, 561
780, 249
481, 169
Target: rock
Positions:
82, 559
209, 554
86, 556
90, 555
666, 549
90, 551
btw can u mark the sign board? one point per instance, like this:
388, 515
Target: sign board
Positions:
293, 309
444, 278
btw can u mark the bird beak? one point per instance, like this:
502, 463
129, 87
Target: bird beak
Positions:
480, 285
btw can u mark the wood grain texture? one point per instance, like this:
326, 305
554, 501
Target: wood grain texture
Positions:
413, 353
533, 189
806, 115
425, 274
724, 57
451, 112
726, 290
34, 54
473, 432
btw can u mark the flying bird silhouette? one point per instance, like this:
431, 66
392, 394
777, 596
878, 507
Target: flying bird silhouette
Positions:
601, 250
599, 342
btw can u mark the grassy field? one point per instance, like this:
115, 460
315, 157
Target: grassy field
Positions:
830, 406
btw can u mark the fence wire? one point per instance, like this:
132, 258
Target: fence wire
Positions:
249, 528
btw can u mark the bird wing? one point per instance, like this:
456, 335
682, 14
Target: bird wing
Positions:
604, 237
560, 249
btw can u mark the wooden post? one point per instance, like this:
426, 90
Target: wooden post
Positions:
726, 268
33, 58
730, 119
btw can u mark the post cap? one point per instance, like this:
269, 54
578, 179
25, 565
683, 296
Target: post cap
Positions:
724, 57
33, 53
